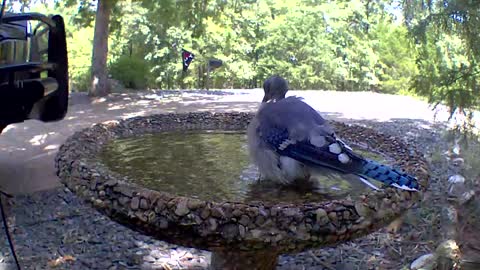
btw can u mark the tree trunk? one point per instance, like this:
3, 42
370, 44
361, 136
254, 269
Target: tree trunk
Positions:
99, 79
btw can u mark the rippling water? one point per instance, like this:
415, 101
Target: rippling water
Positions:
214, 165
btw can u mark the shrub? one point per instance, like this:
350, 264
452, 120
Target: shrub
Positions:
80, 80
133, 72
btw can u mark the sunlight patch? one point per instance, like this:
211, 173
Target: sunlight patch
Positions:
51, 152
110, 122
129, 115
7, 128
142, 102
99, 100
51, 147
116, 107
38, 139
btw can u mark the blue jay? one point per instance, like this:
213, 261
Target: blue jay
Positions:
288, 140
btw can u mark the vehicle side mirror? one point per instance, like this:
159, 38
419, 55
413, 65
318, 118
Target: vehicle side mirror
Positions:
33, 68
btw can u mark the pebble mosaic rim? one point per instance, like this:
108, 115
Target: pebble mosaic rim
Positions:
281, 227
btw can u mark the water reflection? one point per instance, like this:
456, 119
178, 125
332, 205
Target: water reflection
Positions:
214, 165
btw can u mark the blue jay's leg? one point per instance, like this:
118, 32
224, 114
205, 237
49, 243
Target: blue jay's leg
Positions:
250, 174
292, 169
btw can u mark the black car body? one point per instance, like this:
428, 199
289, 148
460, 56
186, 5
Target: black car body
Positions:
33, 68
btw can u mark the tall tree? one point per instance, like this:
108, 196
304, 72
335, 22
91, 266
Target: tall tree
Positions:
102, 13
100, 86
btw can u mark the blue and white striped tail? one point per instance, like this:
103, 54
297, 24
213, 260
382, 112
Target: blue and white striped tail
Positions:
389, 176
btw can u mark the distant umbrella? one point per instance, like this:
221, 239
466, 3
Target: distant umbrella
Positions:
214, 64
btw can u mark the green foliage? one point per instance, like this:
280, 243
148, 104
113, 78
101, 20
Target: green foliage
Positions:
447, 74
396, 65
80, 81
79, 44
448, 38
133, 72
316, 44
85, 11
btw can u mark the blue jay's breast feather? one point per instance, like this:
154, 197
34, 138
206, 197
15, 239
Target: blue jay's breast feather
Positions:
291, 128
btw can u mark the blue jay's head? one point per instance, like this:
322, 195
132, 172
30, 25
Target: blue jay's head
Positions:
275, 88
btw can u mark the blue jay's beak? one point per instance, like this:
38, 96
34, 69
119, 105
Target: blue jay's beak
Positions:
265, 99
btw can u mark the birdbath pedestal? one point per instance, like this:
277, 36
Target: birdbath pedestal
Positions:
241, 235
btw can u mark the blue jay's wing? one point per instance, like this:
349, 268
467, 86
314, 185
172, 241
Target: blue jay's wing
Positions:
320, 150
293, 129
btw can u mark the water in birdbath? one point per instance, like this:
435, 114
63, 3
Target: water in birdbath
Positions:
214, 166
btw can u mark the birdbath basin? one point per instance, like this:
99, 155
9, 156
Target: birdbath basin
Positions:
245, 224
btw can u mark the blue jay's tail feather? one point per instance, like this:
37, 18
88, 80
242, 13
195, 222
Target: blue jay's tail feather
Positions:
348, 162
388, 175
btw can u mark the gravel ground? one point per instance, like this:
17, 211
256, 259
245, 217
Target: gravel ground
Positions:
53, 230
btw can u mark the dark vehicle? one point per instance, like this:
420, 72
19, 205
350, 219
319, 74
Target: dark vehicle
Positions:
33, 68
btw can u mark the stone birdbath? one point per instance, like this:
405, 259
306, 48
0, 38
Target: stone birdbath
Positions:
247, 234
